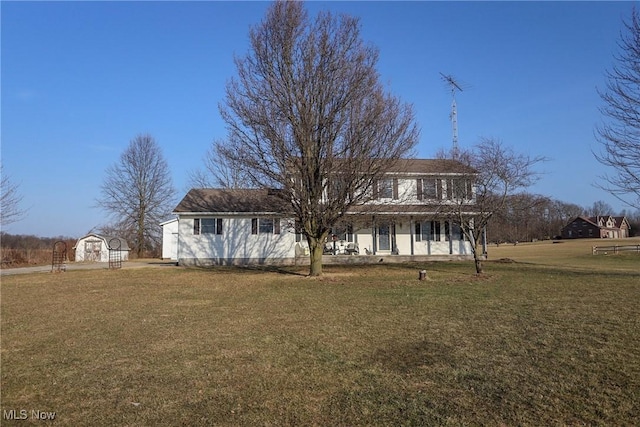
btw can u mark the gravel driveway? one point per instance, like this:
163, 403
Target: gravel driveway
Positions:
87, 266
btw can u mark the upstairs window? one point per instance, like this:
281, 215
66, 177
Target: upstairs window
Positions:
386, 189
429, 189
459, 189
207, 226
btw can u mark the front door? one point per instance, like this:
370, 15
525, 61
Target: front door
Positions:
384, 237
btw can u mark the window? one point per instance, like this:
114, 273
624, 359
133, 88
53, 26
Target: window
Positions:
463, 189
456, 232
449, 189
386, 189
429, 189
424, 230
265, 226
298, 230
343, 232
459, 189
435, 226
207, 226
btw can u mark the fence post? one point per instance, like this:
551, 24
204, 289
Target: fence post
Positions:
594, 250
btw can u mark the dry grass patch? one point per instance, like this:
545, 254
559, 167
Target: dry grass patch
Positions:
369, 345
575, 253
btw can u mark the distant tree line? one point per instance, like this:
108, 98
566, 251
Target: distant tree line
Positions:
18, 250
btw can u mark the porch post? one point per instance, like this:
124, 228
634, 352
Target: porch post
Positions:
411, 230
374, 234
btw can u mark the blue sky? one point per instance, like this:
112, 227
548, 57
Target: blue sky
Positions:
81, 79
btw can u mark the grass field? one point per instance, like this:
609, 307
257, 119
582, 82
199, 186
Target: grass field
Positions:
548, 336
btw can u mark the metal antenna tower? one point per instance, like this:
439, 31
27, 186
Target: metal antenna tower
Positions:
453, 85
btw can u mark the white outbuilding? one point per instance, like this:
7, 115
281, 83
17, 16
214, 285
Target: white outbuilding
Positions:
95, 247
170, 239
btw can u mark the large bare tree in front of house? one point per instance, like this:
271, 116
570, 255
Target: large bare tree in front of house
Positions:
500, 173
619, 135
307, 114
10, 199
138, 193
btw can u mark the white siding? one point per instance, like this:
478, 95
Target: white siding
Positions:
235, 244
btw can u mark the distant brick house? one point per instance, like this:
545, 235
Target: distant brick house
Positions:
611, 227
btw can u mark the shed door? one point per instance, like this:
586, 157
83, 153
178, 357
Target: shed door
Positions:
92, 250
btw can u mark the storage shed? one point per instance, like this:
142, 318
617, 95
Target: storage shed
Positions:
95, 247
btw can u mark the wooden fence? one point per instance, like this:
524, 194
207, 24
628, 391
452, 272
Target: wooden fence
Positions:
615, 249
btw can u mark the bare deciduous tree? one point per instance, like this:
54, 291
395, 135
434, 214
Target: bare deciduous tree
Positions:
218, 171
500, 174
599, 208
138, 193
619, 136
308, 115
10, 199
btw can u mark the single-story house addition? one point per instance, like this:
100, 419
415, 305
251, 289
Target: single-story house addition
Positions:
611, 227
252, 226
95, 247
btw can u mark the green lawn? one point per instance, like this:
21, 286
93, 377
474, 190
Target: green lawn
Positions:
546, 343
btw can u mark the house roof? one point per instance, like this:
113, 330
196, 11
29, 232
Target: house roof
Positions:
162, 224
227, 201
215, 200
620, 220
433, 166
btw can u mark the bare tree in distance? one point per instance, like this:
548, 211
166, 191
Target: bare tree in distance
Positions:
619, 135
599, 208
307, 115
10, 199
501, 173
138, 193
219, 171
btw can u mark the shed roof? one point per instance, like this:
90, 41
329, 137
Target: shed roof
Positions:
107, 240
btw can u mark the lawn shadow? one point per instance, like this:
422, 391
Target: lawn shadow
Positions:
407, 357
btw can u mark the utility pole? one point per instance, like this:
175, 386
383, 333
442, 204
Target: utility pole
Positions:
453, 85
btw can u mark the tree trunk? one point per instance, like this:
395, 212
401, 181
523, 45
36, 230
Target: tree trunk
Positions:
315, 254
478, 262
476, 258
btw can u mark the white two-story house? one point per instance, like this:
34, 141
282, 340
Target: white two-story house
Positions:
406, 218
